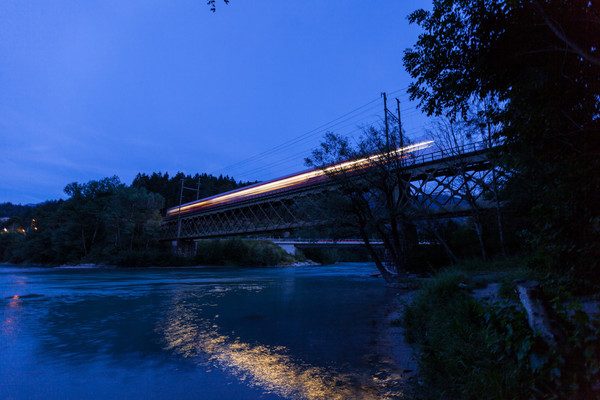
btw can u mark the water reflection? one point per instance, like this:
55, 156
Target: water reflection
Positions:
285, 333
11, 316
269, 367
108, 327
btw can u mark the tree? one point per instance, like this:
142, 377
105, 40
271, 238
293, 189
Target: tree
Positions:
534, 64
170, 187
371, 196
212, 4
88, 209
102, 219
478, 188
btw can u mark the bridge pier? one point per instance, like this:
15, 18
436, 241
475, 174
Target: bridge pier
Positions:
289, 248
183, 248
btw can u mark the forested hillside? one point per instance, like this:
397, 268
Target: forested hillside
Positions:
102, 221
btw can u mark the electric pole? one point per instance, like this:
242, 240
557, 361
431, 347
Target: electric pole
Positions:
400, 125
385, 112
400, 133
179, 211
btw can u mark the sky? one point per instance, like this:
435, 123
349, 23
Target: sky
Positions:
90, 89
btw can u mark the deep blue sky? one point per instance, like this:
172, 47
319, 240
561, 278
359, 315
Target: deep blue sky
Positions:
90, 89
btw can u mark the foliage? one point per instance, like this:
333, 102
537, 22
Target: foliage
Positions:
444, 320
106, 221
8, 210
570, 370
479, 350
426, 258
212, 4
109, 217
331, 255
170, 187
532, 67
371, 200
100, 220
9, 243
240, 252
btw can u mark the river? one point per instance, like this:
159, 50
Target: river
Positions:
314, 332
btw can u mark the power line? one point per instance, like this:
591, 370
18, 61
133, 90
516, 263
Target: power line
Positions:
292, 141
309, 133
293, 159
304, 151
351, 118
354, 123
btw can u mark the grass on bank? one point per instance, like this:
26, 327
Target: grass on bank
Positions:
470, 349
241, 252
225, 252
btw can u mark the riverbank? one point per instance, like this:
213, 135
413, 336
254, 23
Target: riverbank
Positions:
399, 351
16, 249
307, 263
471, 335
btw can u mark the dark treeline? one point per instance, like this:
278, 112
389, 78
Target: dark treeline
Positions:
170, 187
527, 73
10, 210
102, 221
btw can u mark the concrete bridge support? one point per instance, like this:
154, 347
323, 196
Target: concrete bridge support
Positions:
184, 248
289, 248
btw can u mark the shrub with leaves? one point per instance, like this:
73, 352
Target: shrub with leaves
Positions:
471, 350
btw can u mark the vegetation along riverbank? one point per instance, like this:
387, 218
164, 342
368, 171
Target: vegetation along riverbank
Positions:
473, 337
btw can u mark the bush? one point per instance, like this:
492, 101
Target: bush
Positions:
471, 350
425, 258
240, 252
321, 255
10, 243
331, 255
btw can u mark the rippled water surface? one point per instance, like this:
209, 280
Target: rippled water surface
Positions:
191, 333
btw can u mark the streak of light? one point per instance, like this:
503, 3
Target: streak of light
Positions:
293, 180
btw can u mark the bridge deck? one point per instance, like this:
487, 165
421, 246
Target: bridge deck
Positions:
292, 202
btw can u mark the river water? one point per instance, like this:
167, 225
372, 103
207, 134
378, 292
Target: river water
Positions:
194, 333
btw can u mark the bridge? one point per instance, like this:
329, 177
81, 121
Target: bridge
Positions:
446, 183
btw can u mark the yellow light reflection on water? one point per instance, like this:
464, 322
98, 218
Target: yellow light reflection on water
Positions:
267, 367
9, 323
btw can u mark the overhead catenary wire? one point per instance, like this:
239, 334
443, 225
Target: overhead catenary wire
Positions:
296, 156
310, 133
294, 140
247, 166
356, 119
296, 159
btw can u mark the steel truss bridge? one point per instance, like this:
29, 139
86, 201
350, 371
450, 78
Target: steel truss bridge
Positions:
447, 183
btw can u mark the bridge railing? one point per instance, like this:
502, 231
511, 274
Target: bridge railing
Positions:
320, 242
450, 152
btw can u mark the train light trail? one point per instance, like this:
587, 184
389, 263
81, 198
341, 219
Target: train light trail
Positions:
299, 180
